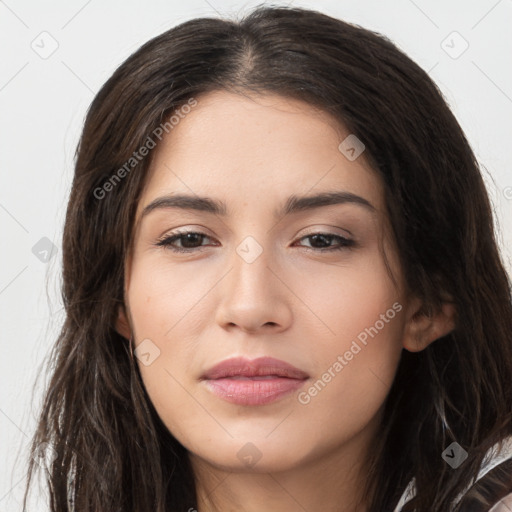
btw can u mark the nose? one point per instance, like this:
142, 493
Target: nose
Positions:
255, 297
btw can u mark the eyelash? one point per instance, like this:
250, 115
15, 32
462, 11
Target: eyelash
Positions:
167, 240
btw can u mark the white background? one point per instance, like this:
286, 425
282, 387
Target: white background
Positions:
43, 102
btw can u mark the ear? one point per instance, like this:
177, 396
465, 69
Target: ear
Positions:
424, 327
122, 323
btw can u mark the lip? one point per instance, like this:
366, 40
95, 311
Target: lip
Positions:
253, 382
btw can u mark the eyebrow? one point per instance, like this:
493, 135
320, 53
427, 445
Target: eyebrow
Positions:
292, 205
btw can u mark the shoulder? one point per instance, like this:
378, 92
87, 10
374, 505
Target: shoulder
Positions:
499, 453
504, 505
497, 457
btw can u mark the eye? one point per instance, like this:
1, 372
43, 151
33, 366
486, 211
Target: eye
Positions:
326, 238
188, 239
191, 241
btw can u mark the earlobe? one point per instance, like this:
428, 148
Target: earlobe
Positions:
423, 328
122, 325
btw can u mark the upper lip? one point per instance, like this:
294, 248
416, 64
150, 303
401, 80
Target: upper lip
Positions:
243, 367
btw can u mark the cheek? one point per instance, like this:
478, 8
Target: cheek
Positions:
162, 296
162, 303
355, 371
357, 340
344, 300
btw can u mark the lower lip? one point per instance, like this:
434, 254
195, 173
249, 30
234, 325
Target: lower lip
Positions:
253, 391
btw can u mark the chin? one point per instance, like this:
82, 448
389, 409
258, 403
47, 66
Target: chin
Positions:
253, 454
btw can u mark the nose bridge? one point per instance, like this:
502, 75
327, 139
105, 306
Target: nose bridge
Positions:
251, 296
250, 264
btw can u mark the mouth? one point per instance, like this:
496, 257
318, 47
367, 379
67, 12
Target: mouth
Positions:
257, 382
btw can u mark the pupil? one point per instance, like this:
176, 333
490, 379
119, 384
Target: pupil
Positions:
322, 237
189, 239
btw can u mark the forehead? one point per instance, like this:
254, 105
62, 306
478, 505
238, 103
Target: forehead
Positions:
241, 149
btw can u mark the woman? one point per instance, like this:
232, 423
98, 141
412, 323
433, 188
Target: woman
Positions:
282, 285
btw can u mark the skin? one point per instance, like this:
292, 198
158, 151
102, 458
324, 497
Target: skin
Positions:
291, 303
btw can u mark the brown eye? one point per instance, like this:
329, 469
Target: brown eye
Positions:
320, 242
190, 241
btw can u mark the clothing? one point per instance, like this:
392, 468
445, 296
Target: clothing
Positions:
492, 458
504, 505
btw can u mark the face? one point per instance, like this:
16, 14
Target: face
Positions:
305, 285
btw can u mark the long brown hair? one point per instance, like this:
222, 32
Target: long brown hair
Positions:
111, 452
